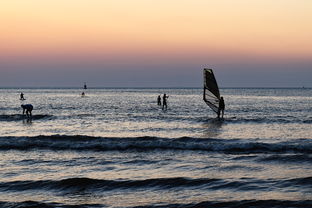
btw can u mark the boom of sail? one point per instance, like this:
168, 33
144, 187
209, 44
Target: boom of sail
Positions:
211, 90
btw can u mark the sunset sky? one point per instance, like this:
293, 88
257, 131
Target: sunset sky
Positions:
149, 43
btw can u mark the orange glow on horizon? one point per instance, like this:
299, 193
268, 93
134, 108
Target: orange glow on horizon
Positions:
115, 27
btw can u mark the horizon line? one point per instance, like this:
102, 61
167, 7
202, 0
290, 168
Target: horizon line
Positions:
140, 87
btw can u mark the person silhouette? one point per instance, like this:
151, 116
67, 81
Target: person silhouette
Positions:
159, 100
22, 96
28, 108
221, 107
165, 101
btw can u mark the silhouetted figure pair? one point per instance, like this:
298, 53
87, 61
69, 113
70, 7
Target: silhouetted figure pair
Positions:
28, 108
221, 107
165, 102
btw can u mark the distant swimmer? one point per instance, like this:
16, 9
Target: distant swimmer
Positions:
22, 96
221, 107
165, 101
28, 108
159, 100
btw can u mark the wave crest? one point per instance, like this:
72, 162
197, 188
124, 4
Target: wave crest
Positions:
88, 143
78, 184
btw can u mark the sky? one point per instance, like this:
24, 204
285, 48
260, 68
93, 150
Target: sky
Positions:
149, 43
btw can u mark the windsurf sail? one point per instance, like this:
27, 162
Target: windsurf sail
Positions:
211, 90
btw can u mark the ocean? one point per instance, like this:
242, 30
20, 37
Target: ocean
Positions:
117, 148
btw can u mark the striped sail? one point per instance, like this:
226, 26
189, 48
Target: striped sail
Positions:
211, 90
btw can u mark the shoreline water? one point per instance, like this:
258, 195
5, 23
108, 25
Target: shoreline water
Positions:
117, 148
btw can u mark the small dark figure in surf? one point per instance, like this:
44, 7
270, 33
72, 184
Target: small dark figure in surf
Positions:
22, 96
28, 108
221, 107
165, 102
159, 100
82, 94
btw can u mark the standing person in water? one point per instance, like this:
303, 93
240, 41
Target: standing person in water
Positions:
28, 108
22, 96
165, 102
221, 107
159, 100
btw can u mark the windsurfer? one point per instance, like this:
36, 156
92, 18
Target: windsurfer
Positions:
221, 107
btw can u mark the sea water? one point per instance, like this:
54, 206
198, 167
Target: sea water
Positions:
118, 148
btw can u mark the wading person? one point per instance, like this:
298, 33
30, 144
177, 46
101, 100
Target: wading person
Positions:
165, 102
22, 96
159, 100
28, 108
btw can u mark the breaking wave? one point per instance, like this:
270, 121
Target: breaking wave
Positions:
88, 143
100, 185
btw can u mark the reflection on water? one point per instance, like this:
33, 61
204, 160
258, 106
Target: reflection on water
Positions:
27, 121
212, 128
